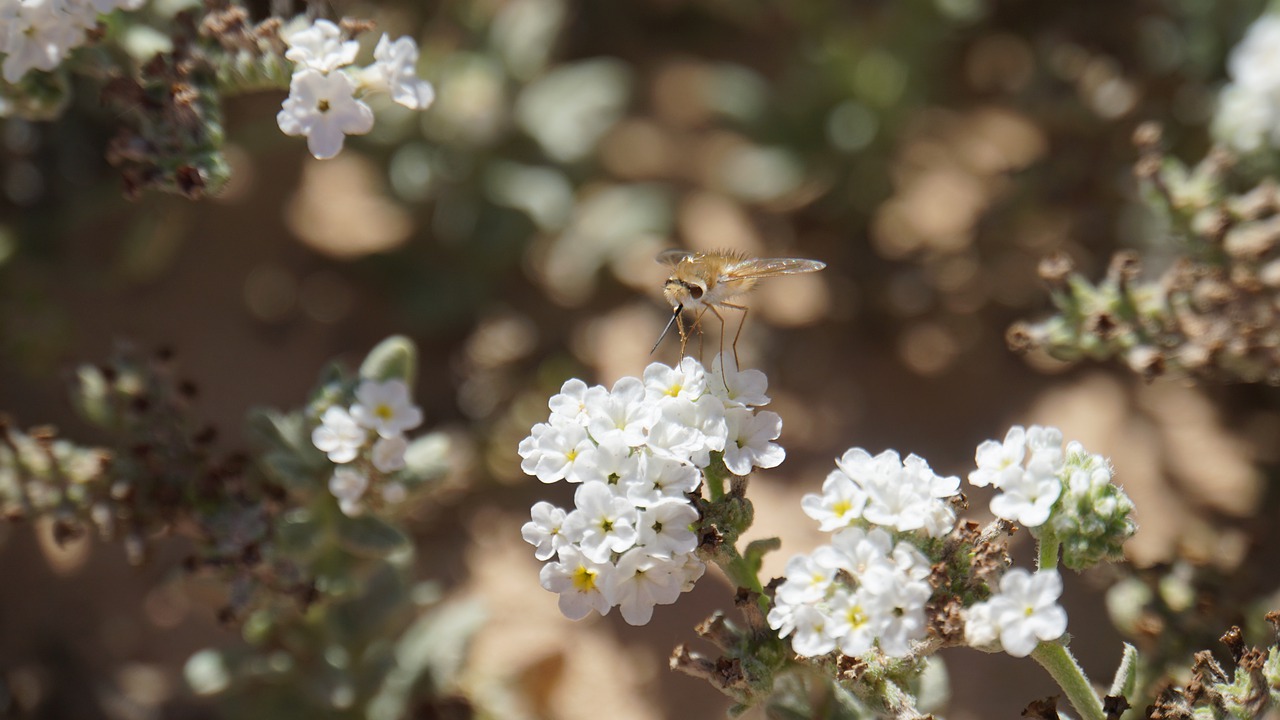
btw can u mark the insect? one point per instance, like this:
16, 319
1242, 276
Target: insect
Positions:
708, 281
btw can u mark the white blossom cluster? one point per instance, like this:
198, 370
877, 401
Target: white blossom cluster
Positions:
382, 411
884, 490
324, 102
862, 591
1066, 491
1027, 492
637, 452
866, 589
1021, 615
1248, 115
39, 34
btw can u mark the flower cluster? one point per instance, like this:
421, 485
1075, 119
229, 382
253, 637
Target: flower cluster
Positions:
862, 591
1020, 616
865, 589
324, 102
869, 588
1067, 492
382, 408
39, 34
638, 452
1248, 116
884, 490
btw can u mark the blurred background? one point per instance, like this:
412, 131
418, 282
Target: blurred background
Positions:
931, 152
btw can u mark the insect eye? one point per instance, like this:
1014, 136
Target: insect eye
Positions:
695, 292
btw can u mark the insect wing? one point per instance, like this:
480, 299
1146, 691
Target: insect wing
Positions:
673, 257
770, 267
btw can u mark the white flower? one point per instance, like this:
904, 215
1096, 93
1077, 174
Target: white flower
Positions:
614, 464
1030, 499
602, 522
1024, 613
663, 478
385, 407
1255, 62
998, 461
863, 549
388, 453
324, 108
579, 581
687, 381
904, 601
813, 635
1248, 114
320, 48
544, 531
690, 571
348, 486
556, 451
809, 577
665, 528
737, 387
571, 402
339, 436
623, 415
853, 623
687, 430
980, 628
396, 65
903, 495
840, 503
38, 36
641, 580
749, 440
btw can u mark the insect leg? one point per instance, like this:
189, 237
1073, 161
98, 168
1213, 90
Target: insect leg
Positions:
684, 336
743, 308
721, 318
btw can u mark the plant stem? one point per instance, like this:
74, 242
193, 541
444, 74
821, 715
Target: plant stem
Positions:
737, 568
1059, 663
1048, 545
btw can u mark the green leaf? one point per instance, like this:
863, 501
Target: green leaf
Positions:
427, 457
754, 554
293, 472
367, 536
1126, 675
393, 358
431, 651
271, 429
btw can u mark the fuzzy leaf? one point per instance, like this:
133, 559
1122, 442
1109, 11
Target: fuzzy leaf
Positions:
756, 549
396, 357
1126, 675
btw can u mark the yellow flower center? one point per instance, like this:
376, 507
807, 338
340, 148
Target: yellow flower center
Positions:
584, 579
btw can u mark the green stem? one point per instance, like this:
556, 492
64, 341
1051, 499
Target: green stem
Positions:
715, 475
737, 568
1048, 544
1059, 663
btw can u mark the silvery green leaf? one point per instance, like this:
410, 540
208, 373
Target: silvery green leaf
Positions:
393, 358
292, 471
271, 429
427, 457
